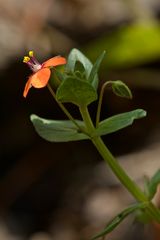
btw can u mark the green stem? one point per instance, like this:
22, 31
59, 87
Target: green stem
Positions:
124, 178
117, 169
100, 102
63, 108
87, 119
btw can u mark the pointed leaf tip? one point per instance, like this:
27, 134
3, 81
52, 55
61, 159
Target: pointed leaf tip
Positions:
93, 77
153, 184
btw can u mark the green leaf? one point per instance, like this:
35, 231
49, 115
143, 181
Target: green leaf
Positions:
78, 61
76, 91
153, 183
121, 89
93, 77
119, 121
76, 56
58, 130
118, 219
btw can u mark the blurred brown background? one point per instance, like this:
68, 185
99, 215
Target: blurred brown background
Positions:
64, 191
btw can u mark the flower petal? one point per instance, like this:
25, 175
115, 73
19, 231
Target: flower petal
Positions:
27, 87
55, 61
40, 78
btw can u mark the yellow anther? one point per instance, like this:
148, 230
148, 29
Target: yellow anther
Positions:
26, 59
31, 53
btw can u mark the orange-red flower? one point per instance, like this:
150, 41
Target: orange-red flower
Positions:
41, 72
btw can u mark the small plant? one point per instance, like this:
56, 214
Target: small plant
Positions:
77, 83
